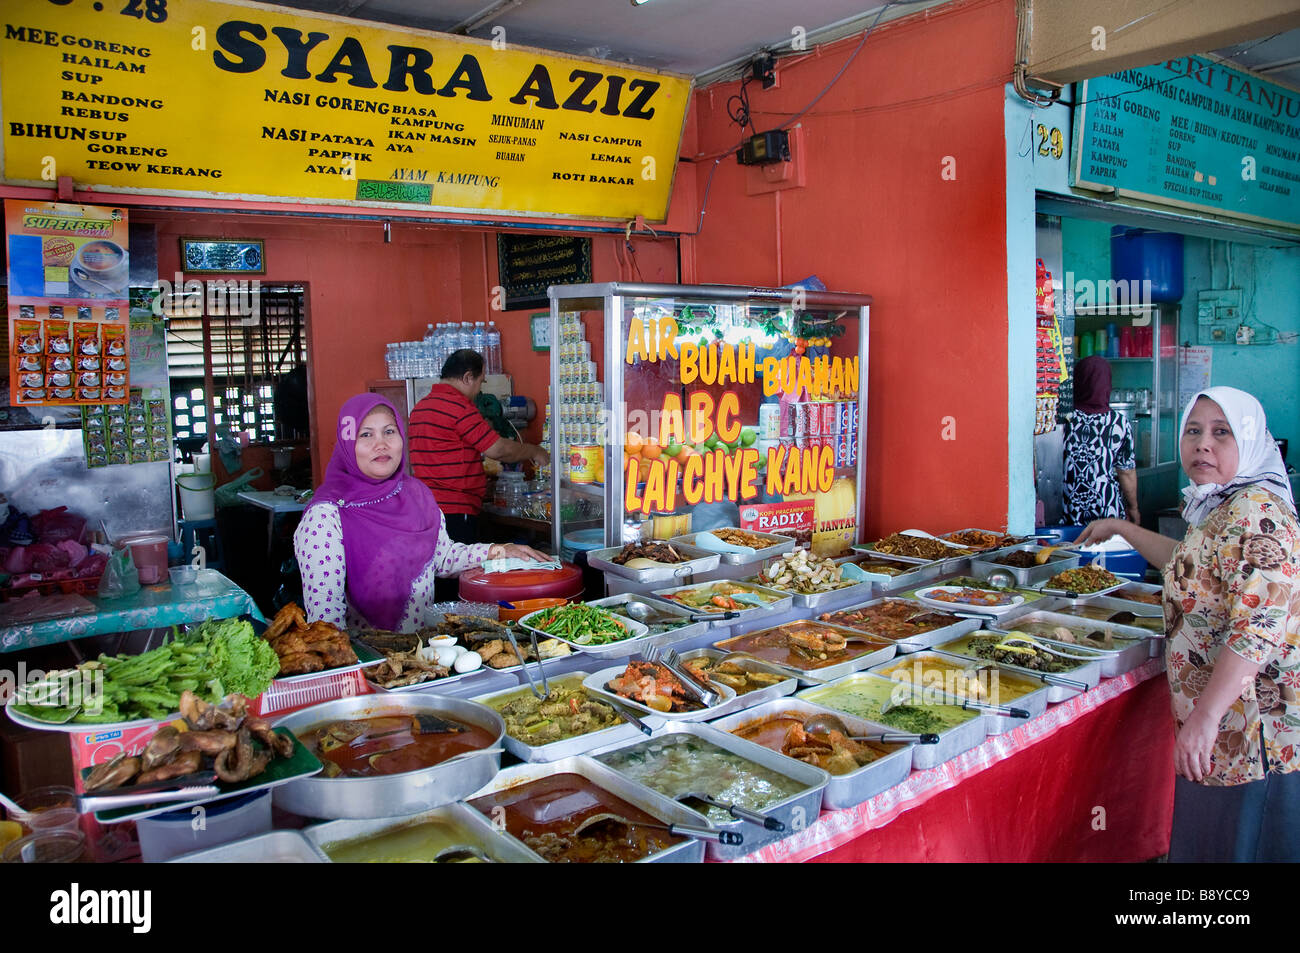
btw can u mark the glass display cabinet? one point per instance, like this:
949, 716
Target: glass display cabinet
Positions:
679, 408
1144, 376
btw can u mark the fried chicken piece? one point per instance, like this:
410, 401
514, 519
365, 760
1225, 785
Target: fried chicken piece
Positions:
337, 655
290, 617
300, 663
290, 643
489, 649
187, 762
504, 659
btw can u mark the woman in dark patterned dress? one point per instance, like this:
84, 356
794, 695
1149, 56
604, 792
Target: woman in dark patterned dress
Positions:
1100, 465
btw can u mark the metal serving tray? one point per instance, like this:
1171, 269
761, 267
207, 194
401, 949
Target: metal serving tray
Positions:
1114, 661
568, 747
914, 643
1087, 673
815, 600
946, 537
781, 604
918, 574
826, 673
498, 845
1034, 702
273, 847
669, 637
701, 560
796, 812
690, 851
985, 563
451, 683
596, 682
750, 699
780, 544
870, 550
952, 742
843, 790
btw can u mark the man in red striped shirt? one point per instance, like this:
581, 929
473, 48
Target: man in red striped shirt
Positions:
449, 439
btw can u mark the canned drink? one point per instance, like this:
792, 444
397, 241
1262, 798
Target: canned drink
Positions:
830, 418
814, 414
800, 413
854, 413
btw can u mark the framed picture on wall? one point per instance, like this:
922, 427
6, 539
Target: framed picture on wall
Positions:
220, 256
540, 326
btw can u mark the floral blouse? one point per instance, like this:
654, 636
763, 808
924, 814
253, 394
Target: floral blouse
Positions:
1235, 582
318, 545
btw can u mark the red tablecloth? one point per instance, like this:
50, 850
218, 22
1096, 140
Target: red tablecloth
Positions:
1090, 780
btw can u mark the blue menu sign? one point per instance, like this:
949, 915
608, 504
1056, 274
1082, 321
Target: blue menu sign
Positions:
1195, 133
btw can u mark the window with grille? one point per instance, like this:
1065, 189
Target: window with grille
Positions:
246, 357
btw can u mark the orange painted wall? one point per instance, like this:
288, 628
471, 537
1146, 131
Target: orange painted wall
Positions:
363, 293
876, 217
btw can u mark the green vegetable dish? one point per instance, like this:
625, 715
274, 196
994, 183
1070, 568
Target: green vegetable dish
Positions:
213, 660
580, 624
566, 712
864, 697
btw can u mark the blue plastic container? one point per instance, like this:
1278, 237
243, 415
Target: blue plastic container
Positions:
1138, 254
1122, 562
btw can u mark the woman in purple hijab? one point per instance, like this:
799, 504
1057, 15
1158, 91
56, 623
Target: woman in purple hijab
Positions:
1100, 463
373, 538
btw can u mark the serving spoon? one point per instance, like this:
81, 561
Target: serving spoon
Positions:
826, 723
461, 853
730, 838
735, 810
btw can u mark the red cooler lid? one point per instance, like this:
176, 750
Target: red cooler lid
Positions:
562, 583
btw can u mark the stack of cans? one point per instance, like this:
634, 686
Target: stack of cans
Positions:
822, 423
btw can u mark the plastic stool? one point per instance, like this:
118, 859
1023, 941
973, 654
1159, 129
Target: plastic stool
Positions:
205, 533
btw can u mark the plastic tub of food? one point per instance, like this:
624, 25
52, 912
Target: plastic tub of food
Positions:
164, 836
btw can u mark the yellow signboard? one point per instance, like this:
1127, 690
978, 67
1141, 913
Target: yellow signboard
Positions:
255, 102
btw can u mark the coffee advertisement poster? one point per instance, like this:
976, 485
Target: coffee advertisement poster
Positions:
68, 308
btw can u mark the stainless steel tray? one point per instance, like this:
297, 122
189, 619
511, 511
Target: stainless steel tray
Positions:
596, 682
1088, 673
946, 537
796, 811
701, 560
690, 851
981, 566
498, 845
669, 637
567, 747
870, 550
919, 574
780, 544
750, 699
952, 742
1034, 702
1114, 661
816, 600
780, 604
273, 847
827, 673
843, 790
387, 795
914, 643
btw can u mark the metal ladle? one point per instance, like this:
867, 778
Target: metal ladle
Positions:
825, 724
735, 810
460, 854
730, 838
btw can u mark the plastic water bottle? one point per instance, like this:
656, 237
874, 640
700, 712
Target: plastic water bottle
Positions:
493, 348
465, 340
480, 338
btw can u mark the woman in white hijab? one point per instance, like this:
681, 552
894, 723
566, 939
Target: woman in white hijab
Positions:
1232, 618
